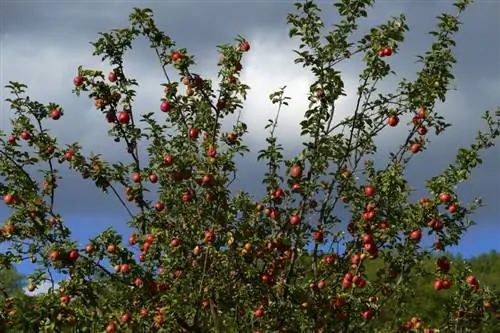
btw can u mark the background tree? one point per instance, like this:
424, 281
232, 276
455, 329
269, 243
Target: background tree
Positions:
206, 259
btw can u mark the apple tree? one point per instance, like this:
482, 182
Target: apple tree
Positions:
204, 257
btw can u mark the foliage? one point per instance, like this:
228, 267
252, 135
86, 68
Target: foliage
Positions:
214, 260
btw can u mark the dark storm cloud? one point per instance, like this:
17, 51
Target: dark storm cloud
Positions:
45, 41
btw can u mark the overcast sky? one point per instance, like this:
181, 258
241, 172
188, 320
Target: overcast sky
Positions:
43, 42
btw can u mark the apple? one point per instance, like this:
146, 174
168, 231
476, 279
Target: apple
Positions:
111, 328
194, 133
132, 240
126, 317
452, 208
78, 80
12, 139
175, 242
259, 312
89, 248
296, 187
421, 114
159, 206
416, 235
176, 56
68, 155
415, 148
231, 138
444, 197
65, 299
295, 171
471, 280
438, 285
112, 77
321, 284
393, 121
55, 255
211, 152
124, 268
8, 199
422, 130
318, 236
244, 46
295, 219
55, 114
123, 117
446, 284
367, 314
189, 92
111, 248
207, 179
136, 177
443, 264
168, 159
186, 197
164, 106
387, 52
73, 255
25, 135
209, 236
369, 190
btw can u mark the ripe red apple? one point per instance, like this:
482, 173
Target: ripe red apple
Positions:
126, 317
111, 328
211, 152
443, 264
12, 139
367, 314
207, 179
78, 80
296, 187
393, 121
471, 280
123, 117
153, 178
295, 219
176, 56
168, 159
159, 206
25, 135
444, 197
321, 284
422, 130
112, 77
209, 236
132, 240
189, 92
68, 155
318, 236
175, 242
387, 51
186, 196
65, 299
125, 268
111, 248
295, 171
136, 177
164, 106
369, 190
73, 255
8, 199
55, 114
415, 148
446, 284
244, 46
421, 114
55, 255
416, 235
438, 284
452, 208
259, 312
367, 239
194, 133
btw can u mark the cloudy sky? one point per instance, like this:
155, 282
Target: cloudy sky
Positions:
43, 42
